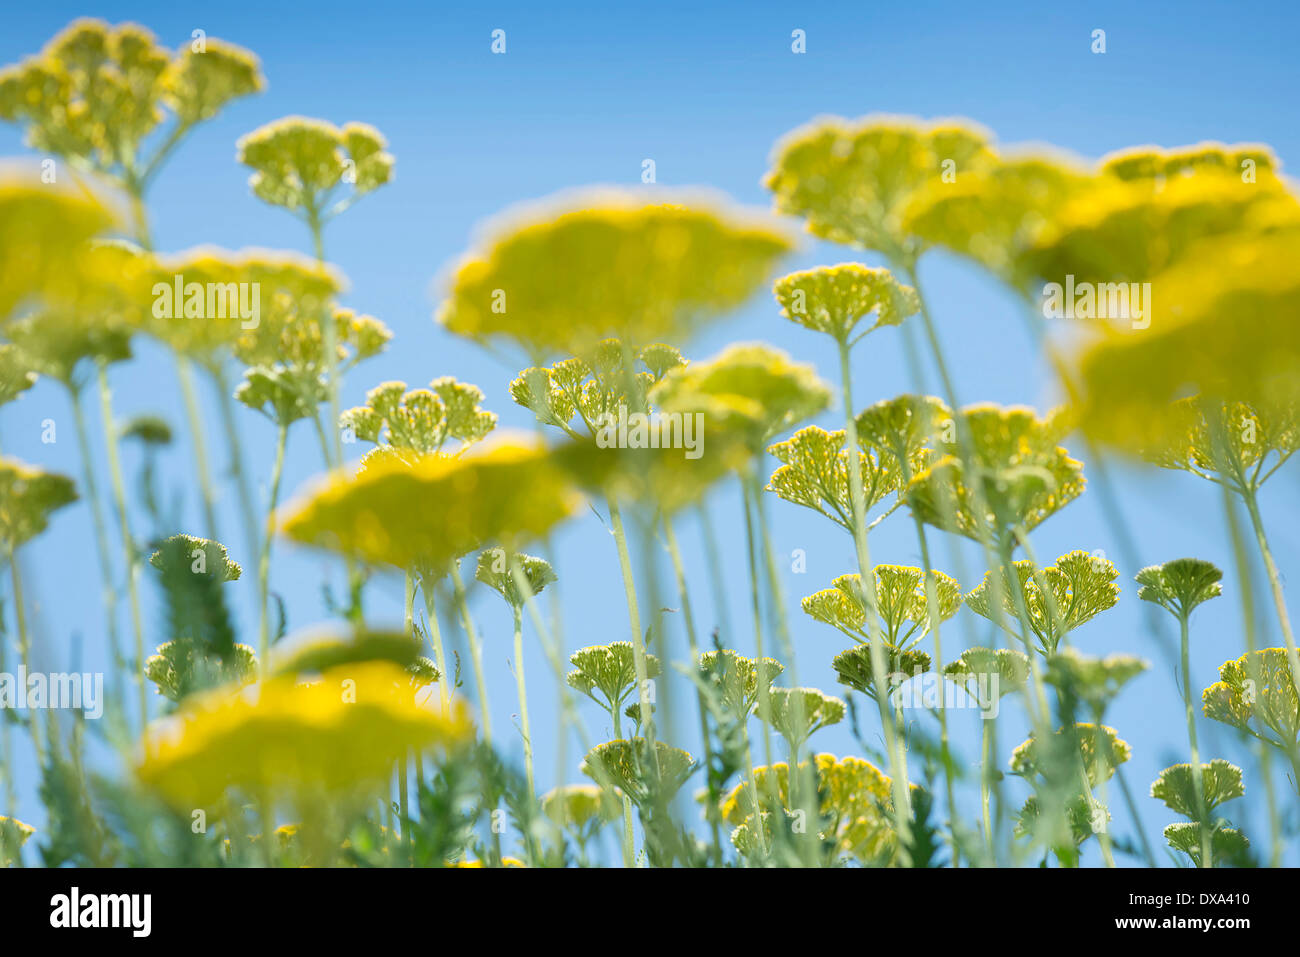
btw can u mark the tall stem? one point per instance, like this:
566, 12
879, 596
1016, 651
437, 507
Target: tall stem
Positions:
185, 373
25, 649
522, 686
475, 651
101, 539
264, 559
1251, 496
129, 549
634, 620
226, 404
1197, 773
435, 637
879, 666
679, 570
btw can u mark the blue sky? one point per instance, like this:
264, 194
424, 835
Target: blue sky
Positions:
583, 95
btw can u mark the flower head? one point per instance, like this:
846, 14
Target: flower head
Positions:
339, 735
496, 568
562, 277
1073, 590
749, 389
27, 497
628, 766
435, 510
1021, 476
1178, 586
834, 299
852, 180
298, 162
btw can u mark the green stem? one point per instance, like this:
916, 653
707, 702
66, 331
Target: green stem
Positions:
129, 549
185, 373
475, 651
764, 698
25, 649
435, 636
1197, 773
879, 666
679, 570
95, 503
264, 558
629, 840
522, 686
226, 405
1247, 589
634, 620
986, 773
1251, 496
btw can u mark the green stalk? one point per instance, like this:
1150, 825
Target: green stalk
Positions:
25, 650
629, 840
802, 781
130, 552
475, 651
1197, 774
185, 373
1248, 629
93, 500
764, 697
225, 403
634, 620
679, 570
435, 636
521, 684
264, 558
902, 797
986, 753
1251, 496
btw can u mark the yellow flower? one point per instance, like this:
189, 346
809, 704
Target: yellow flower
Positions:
44, 234
993, 213
13, 835
853, 180
901, 603
1080, 586
199, 84
1257, 687
833, 299
580, 806
339, 735
437, 509
96, 92
1223, 325
298, 161
278, 290
1021, 476
1061, 761
564, 275
749, 389
627, 765
422, 420
856, 796
27, 497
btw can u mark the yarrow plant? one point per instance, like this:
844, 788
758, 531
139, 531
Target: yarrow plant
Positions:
356, 742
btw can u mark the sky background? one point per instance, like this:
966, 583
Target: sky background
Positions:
583, 95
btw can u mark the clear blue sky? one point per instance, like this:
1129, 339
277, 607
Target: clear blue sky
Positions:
583, 95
